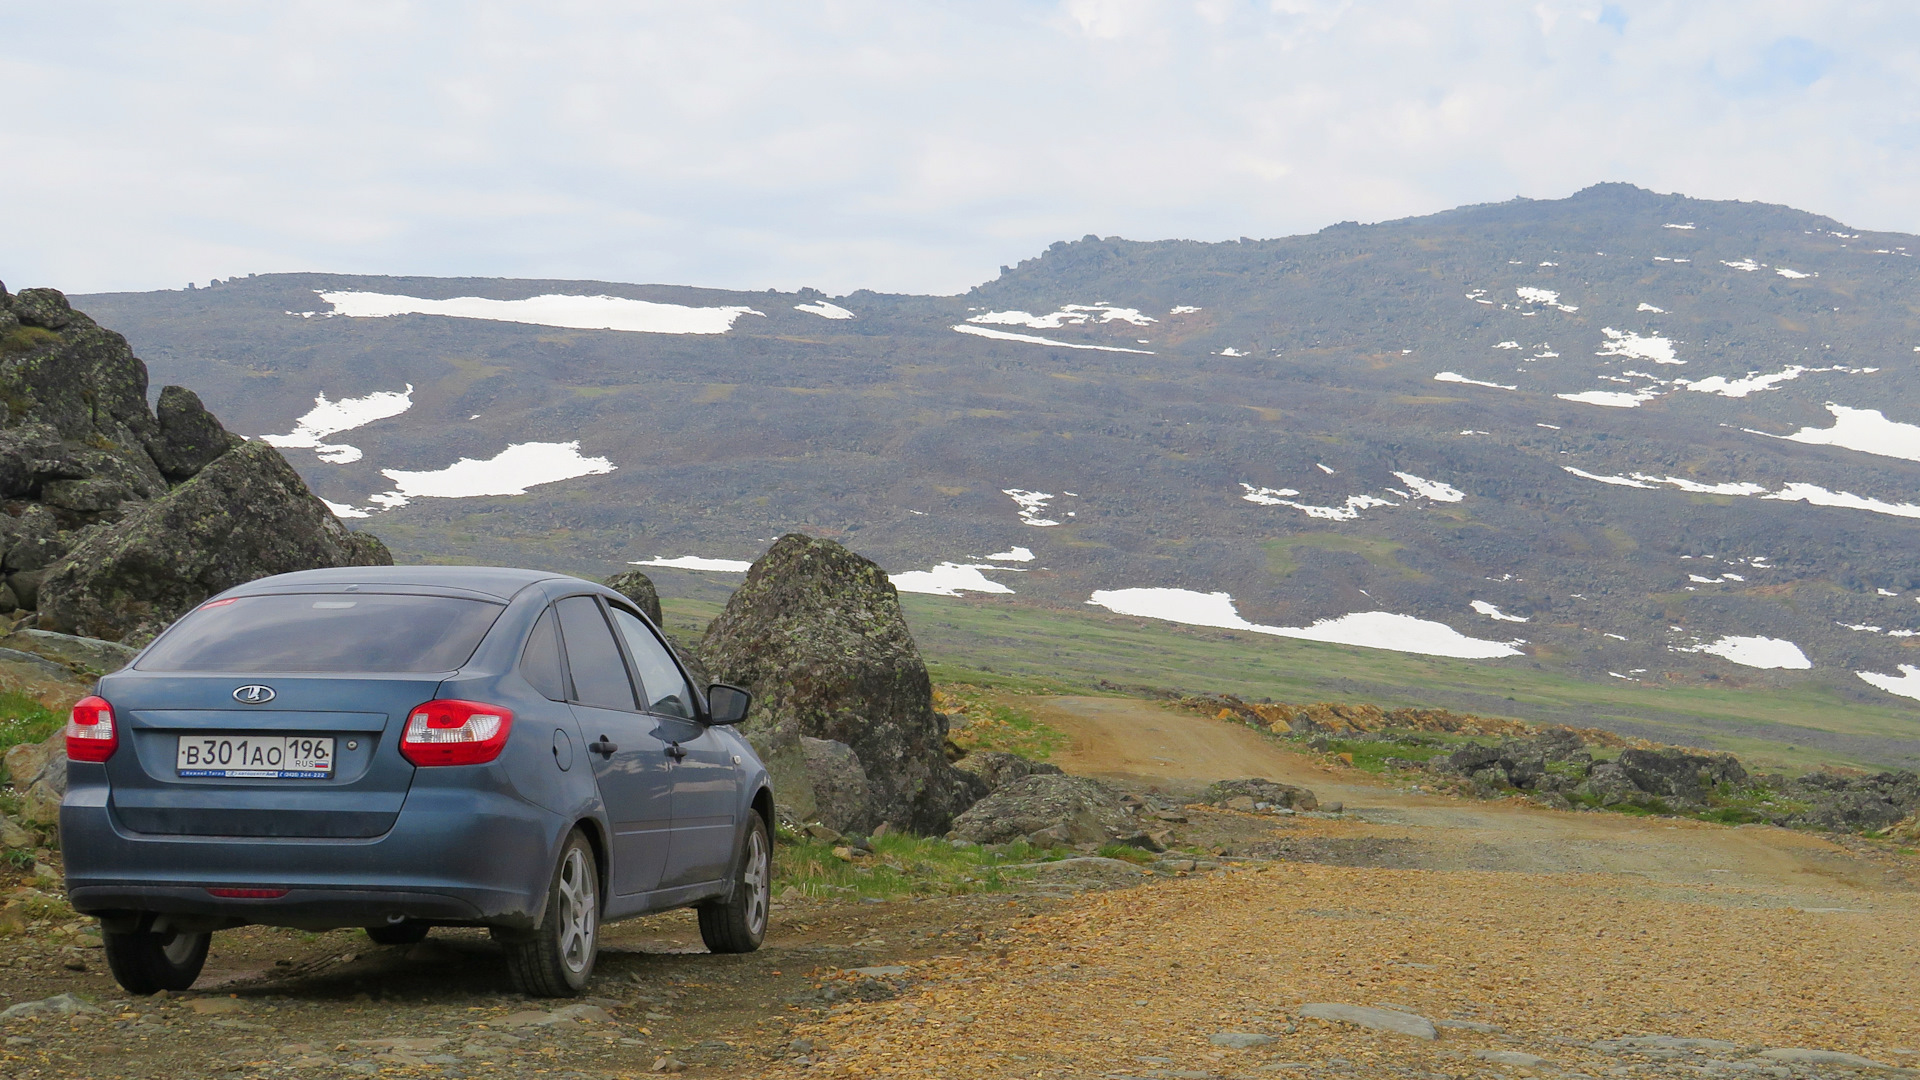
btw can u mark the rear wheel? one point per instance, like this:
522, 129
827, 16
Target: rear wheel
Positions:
556, 958
408, 932
145, 961
739, 924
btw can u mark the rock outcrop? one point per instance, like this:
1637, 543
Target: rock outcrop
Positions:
638, 588
817, 634
1258, 793
117, 518
996, 769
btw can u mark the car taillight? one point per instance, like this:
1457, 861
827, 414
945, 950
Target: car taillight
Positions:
455, 732
91, 734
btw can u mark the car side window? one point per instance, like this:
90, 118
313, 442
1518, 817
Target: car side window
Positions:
540, 661
599, 674
661, 685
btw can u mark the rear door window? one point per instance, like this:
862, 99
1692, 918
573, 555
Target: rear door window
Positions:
325, 633
599, 674
662, 688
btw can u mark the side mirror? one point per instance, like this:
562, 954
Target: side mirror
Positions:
727, 704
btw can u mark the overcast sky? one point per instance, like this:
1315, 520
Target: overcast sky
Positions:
892, 145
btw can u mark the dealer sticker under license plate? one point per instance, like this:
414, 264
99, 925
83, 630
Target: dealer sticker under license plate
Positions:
255, 757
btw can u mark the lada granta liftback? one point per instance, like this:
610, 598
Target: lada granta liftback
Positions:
400, 748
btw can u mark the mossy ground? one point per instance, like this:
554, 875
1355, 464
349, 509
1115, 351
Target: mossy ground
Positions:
899, 866
24, 720
994, 721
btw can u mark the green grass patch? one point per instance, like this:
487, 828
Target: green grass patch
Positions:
24, 720
1283, 558
27, 338
992, 723
899, 866
1371, 755
1128, 853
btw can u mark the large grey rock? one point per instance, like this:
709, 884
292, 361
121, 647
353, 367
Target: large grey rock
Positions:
842, 796
81, 653
817, 634
57, 1005
1079, 809
245, 516
996, 769
638, 588
1608, 784
1839, 801
1679, 776
189, 437
1398, 1023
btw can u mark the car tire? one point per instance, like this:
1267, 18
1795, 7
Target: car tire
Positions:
144, 961
409, 932
739, 923
555, 959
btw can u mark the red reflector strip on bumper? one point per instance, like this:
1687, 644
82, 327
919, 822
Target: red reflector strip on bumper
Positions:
248, 894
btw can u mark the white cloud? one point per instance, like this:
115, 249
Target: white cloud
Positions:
891, 146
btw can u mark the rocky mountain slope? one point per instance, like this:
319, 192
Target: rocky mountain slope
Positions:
1623, 435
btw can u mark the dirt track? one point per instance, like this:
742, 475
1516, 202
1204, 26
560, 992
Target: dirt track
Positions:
1559, 927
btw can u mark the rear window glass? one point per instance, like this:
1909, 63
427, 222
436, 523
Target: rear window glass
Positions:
319, 632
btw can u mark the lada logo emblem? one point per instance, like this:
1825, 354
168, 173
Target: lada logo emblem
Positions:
253, 695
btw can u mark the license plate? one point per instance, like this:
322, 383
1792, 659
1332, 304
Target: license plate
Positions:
255, 757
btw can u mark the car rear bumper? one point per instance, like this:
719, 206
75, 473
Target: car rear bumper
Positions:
452, 855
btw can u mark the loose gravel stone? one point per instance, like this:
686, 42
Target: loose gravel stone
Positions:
1399, 1023
1240, 1040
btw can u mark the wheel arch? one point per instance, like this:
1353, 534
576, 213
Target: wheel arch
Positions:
590, 828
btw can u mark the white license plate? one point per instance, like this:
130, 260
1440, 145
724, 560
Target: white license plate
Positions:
258, 757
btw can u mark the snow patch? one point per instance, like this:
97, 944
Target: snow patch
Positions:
1906, 684
1456, 377
570, 312
1032, 504
1748, 265
1492, 612
1348, 511
1865, 430
1367, 629
1612, 399
824, 310
1068, 315
1544, 297
333, 417
510, 472
1644, 306
1183, 309
1637, 347
1812, 494
1017, 554
1431, 489
342, 510
1617, 481
1508, 345
1002, 335
1231, 351
1786, 273
949, 579
1673, 225
695, 562
1755, 652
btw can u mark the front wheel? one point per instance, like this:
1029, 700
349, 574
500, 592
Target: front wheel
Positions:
146, 961
556, 958
739, 924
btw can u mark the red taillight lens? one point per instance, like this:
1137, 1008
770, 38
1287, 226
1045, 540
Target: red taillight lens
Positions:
247, 894
91, 733
454, 732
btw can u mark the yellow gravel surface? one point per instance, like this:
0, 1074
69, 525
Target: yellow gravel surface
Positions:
1109, 982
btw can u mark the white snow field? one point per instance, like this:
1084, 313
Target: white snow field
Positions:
1493, 612
342, 510
1032, 339
949, 579
696, 562
1431, 489
1367, 629
569, 312
1612, 399
1806, 493
1032, 504
1756, 652
1456, 377
1068, 315
1906, 684
824, 310
1865, 430
1017, 554
333, 417
510, 472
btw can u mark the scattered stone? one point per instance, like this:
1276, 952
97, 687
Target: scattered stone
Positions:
57, 1005
568, 1016
1512, 1057
1797, 1056
1399, 1023
817, 634
996, 769
669, 1065
1639, 1044
215, 1006
1240, 1040
880, 972
1470, 1025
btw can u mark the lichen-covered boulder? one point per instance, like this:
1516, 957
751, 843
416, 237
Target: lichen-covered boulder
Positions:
842, 796
817, 634
1077, 809
1678, 776
638, 588
245, 516
1262, 792
189, 437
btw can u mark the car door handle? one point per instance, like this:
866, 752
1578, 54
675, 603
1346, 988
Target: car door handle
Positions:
602, 747
676, 751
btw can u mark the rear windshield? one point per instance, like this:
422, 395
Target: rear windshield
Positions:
338, 632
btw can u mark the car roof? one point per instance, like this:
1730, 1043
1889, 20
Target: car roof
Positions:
501, 581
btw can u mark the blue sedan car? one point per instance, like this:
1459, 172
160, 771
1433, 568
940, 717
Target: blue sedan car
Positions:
400, 748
